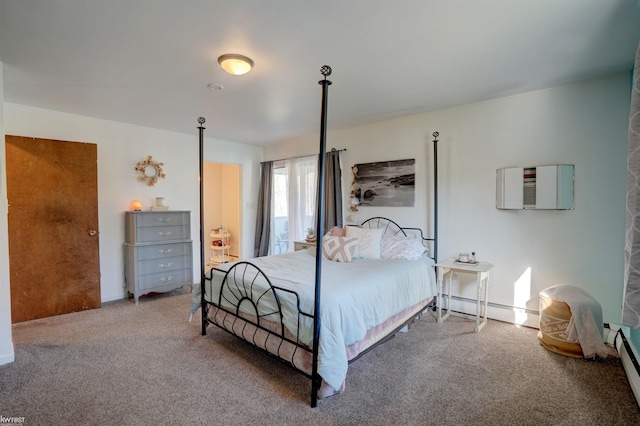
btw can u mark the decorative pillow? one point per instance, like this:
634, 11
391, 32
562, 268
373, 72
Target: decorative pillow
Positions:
338, 249
401, 247
368, 241
336, 231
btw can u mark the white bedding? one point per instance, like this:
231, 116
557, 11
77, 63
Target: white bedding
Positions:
355, 297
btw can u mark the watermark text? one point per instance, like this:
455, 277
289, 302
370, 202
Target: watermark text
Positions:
11, 420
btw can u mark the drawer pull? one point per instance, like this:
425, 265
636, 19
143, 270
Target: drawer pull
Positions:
165, 234
164, 219
165, 279
165, 251
165, 265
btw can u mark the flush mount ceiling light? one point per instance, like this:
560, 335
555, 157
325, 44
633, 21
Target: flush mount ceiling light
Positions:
235, 64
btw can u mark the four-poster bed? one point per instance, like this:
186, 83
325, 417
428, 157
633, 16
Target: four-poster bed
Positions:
274, 302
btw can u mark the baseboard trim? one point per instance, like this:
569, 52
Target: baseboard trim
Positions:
8, 358
629, 362
113, 298
496, 311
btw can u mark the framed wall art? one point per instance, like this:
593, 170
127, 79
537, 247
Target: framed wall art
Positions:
385, 183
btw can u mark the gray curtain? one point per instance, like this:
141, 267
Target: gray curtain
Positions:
332, 191
263, 219
631, 305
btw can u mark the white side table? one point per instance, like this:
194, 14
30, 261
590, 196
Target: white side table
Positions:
482, 270
303, 245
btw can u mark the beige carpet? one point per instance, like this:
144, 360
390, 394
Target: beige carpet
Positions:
147, 365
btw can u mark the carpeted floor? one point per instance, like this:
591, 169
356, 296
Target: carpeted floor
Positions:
147, 365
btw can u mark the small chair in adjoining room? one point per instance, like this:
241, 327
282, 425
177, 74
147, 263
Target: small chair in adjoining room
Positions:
282, 243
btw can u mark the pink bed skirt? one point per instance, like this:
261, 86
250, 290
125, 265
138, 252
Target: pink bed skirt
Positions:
301, 358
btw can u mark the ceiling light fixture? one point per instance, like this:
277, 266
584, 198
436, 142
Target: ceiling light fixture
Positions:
235, 64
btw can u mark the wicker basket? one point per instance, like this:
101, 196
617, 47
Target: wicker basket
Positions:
554, 320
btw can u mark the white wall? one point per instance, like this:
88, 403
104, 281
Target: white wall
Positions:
6, 340
120, 146
583, 124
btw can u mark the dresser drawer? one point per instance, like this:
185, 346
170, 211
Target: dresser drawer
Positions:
152, 227
162, 218
159, 234
154, 266
161, 251
162, 280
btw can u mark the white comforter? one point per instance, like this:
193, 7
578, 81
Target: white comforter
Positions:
355, 297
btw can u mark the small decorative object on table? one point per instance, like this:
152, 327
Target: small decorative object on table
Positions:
311, 235
467, 259
160, 206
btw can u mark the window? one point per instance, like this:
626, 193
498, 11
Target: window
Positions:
279, 210
294, 201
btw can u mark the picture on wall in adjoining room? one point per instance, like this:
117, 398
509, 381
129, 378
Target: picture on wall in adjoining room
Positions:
385, 183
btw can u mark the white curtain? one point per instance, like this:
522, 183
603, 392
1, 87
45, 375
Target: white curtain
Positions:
631, 305
302, 181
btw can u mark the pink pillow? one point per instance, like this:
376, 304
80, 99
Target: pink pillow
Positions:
338, 249
336, 231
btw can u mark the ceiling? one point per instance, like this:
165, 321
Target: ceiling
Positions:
149, 62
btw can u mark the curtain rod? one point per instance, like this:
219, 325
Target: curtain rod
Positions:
301, 156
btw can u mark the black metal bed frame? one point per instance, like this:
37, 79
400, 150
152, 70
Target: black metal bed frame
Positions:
244, 284
240, 286
391, 227
260, 325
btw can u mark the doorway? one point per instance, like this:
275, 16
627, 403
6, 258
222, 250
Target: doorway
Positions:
222, 207
54, 260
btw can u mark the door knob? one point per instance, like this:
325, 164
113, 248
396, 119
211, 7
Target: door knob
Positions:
93, 232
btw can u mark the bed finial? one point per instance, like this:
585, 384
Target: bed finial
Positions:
435, 135
201, 120
326, 71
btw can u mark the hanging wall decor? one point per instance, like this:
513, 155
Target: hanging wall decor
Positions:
354, 198
149, 171
385, 183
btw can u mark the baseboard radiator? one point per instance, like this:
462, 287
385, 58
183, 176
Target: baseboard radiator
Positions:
629, 360
511, 314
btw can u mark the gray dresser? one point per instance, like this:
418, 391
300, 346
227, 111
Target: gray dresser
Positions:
158, 251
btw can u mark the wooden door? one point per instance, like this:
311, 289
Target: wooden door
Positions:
54, 260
